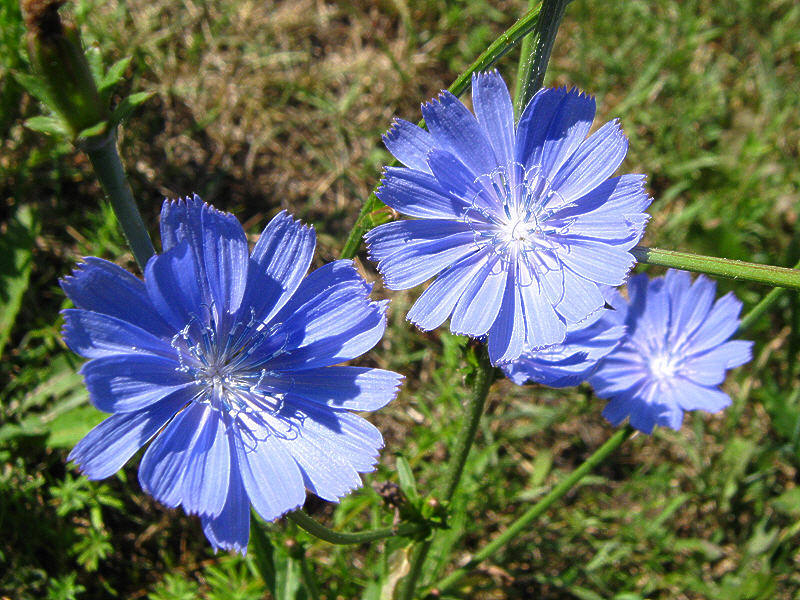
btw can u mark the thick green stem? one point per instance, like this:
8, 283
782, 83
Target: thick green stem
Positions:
540, 507
760, 309
497, 49
536, 49
336, 537
722, 267
472, 417
108, 167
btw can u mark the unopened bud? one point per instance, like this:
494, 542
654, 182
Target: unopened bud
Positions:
57, 56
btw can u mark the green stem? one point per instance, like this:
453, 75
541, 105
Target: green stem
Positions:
108, 167
483, 381
536, 49
722, 267
760, 309
336, 537
497, 49
522, 523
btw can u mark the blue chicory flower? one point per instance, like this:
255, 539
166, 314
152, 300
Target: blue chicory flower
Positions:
226, 358
521, 224
675, 354
572, 361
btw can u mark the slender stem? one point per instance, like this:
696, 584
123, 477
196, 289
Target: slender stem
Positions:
540, 507
483, 381
767, 302
108, 167
536, 49
722, 267
498, 48
317, 529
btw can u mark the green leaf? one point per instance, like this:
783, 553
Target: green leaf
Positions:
263, 553
95, 60
16, 262
69, 428
788, 502
95, 130
35, 86
127, 106
48, 125
114, 74
406, 477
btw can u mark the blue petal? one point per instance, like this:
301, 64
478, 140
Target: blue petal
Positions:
409, 144
566, 131
351, 388
720, 324
616, 375
455, 178
269, 473
280, 259
164, 464
205, 482
107, 447
551, 128
398, 236
691, 396
225, 258
172, 284
323, 452
439, 299
507, 335
736, 352
131, 382
581, 300
421, 260
93, 335
419, 194
455, 130
690, 304
230, 529
219, 245
103, 287
543, 326
622, 197
593, 162
356, 440
480, 302
329, 320
492, 104
597, 262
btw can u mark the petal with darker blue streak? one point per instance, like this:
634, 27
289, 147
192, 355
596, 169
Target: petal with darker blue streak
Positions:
341, 388
409, 144
107, 447
456, 130
230, 529
103, 287
94, 335
280, 260
127, 383
173, 285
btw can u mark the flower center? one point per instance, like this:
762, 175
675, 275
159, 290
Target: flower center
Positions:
511, 212
663, 366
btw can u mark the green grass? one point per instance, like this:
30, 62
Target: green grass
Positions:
263, 106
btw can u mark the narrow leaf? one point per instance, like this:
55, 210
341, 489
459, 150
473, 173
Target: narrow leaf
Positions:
16, 262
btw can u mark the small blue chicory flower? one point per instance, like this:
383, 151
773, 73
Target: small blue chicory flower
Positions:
521, 224
572, 361
675, 353
226, 358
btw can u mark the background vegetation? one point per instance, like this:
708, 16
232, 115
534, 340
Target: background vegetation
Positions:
260, 106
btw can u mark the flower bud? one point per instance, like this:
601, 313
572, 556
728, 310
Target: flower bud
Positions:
57, 56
